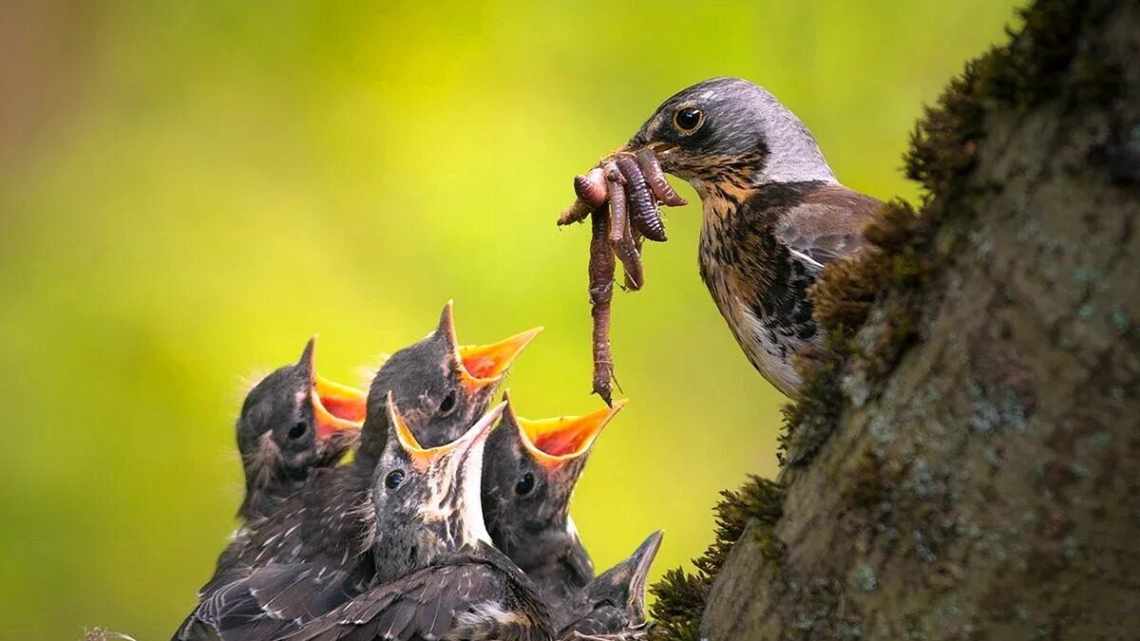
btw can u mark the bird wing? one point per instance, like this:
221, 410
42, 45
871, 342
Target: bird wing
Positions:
826, 225
469, 600
248, 604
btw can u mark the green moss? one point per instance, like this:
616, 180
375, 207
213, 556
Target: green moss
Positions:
682, 596
1042, 60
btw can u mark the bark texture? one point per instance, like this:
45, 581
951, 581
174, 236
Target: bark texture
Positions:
968, 466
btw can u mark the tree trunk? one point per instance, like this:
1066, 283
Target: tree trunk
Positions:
967, 466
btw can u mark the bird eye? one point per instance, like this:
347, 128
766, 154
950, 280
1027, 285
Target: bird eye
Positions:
688, 120
394, 479
448, 403
525, 485
298, 430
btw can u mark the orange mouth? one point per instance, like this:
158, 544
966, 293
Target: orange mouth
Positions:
554, 441
342, 401
422, 457
483, 365
336, 407
491, 361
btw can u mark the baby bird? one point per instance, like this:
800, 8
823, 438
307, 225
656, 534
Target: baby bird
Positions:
292, 422
612, 606
440, 386
532, 468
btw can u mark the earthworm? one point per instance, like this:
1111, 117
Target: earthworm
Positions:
643, 212
601, 272
651, 169
591, 192
634, 273
591, 187
619, 235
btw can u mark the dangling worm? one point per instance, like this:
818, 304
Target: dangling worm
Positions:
601, 271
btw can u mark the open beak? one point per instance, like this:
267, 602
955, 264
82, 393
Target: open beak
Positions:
491, 361
483, 365
555, 441
342, 401
422, 458
336, 407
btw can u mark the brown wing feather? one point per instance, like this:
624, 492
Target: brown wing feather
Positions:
827, 224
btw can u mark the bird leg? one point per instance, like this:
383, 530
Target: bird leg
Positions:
643, 207
601, 272
655, 177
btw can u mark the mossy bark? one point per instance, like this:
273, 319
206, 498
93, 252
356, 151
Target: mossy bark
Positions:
968, 467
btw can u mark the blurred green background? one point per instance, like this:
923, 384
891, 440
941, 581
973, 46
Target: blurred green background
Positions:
188, 191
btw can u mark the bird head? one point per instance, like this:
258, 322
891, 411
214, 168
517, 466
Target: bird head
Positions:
614, 601
294, 420
532, 468
427, 500
440, 386
732, 134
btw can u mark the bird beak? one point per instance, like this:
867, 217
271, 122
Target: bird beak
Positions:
642, 561
422, 458
626, 580
342, 401
336, 407
483, 365
553, 442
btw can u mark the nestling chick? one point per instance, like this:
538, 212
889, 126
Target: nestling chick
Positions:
612, 606
530, 474
440, 386
292, 422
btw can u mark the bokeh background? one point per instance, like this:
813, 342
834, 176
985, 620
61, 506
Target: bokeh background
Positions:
189, 190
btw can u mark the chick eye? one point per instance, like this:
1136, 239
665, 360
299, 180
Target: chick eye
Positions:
525, 485
298, 430
448, 403
394, 479
688, 120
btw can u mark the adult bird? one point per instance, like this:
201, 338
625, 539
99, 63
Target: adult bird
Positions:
437, 575
316, 542
293, 422
612, 606
774, 214
531, 470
